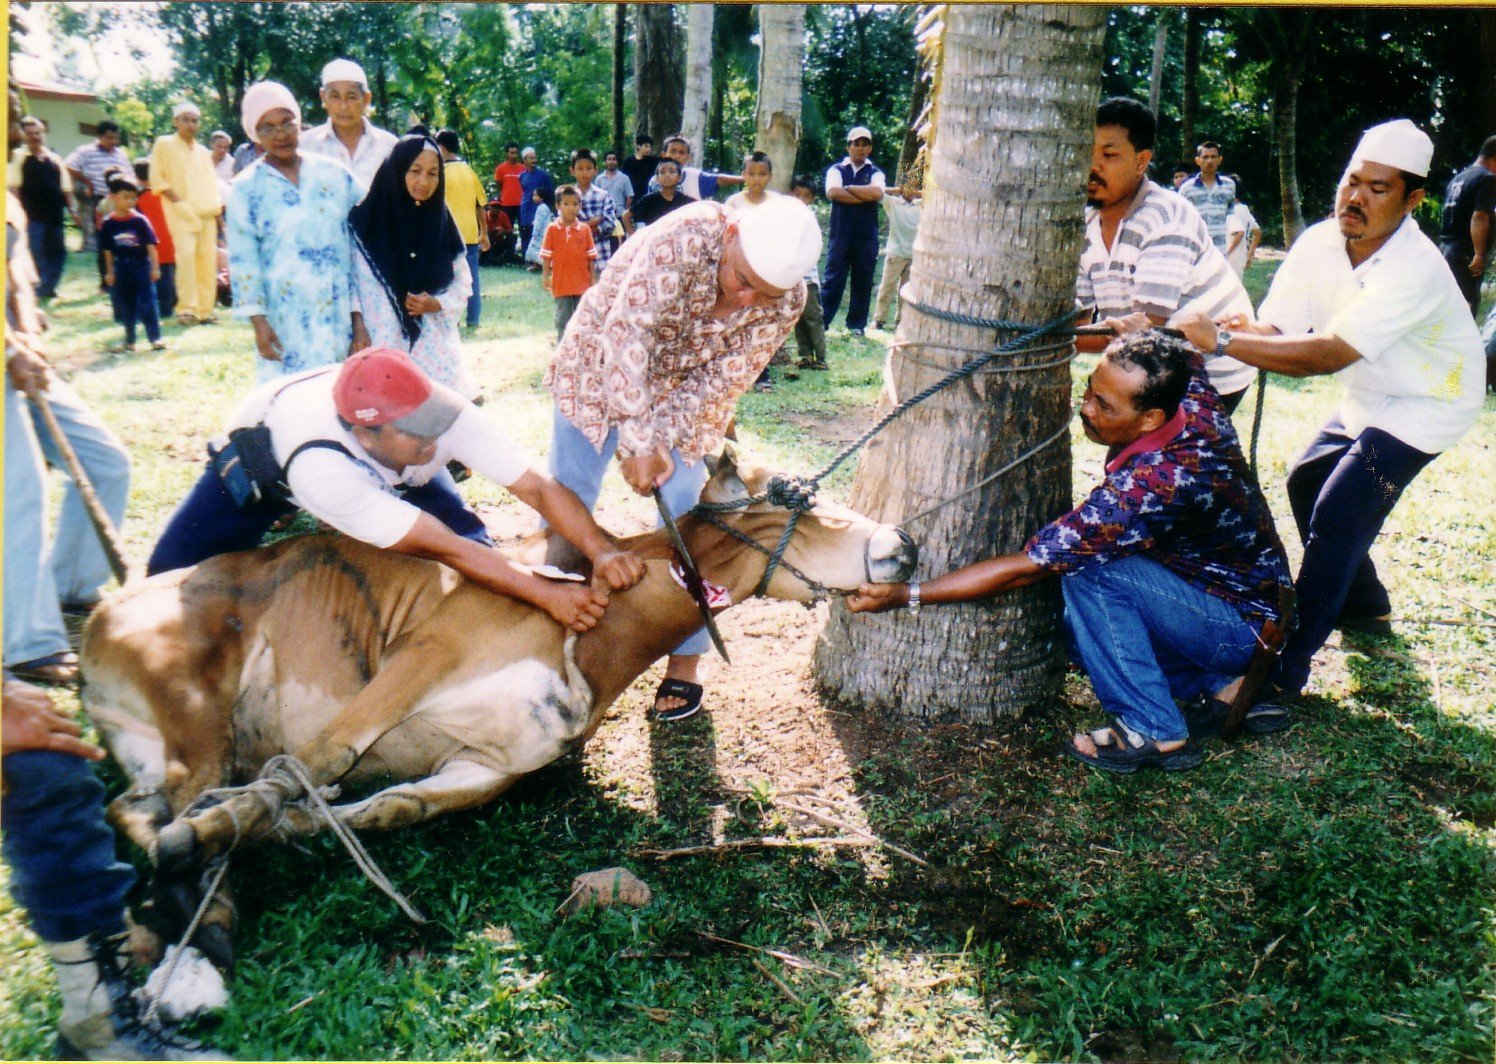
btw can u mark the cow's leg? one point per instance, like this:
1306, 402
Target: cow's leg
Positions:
459, 785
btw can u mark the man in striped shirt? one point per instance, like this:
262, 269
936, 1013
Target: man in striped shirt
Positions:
1147, 249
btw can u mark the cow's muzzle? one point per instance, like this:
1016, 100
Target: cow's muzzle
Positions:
890, 555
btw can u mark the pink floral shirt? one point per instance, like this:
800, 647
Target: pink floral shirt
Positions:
643, 353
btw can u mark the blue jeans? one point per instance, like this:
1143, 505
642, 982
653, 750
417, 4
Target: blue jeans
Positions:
208, 524
1341, 490
63, 870
576, 465
134, 297
50, 252
73, 568
475, 301
1146, 637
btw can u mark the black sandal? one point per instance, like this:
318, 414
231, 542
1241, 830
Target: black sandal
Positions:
683, 689
58, 668
1115, 752
1206, 716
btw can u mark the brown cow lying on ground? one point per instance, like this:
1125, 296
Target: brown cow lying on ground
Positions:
374, 667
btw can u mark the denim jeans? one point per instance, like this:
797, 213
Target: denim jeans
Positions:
854, 258
1341, 490
49, 251
576, 465
208, 524
475, 301
63, 870
566, 306
74, 567
1146, 637
134, 297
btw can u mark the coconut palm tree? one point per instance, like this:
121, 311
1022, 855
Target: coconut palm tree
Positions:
781, 70
1016, 91
698, 93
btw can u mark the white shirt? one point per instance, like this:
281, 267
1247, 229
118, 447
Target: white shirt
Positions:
903, 223
1421, 376
1240, 221
357, 495
374, 147
739, 201
834, 177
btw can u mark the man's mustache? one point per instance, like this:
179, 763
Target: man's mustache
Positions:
1353, 212
1095, 179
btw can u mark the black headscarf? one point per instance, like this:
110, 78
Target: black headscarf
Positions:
409, 246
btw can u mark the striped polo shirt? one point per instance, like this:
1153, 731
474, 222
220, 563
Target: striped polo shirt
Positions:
93, 162
1162, 262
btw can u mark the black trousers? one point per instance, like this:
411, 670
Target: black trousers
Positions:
1342, 489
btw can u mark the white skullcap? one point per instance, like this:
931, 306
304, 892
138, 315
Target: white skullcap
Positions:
260, 99
186, 107
857, 132
781, 240
527, 150
1399, 144
344, 70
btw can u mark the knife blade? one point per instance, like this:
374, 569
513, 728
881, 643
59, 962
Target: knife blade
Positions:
694, 582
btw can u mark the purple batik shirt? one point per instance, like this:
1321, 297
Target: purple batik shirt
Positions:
1183, 496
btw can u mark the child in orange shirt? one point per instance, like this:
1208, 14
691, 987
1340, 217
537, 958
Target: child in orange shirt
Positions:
149, 205
568, 256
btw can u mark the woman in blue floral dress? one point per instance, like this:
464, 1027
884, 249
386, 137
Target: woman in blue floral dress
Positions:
410, 263
290, 246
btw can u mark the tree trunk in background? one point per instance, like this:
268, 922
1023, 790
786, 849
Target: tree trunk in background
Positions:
1002, 229
622, 143
1160, 46
909, 150
698, 87
781, 67
1286, 139
1487, 93
1189, 107
657, 74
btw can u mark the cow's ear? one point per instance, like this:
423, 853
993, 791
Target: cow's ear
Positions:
725, 485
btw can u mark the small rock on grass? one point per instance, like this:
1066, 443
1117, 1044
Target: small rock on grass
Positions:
606, 887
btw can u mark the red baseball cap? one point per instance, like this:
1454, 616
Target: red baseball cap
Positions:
382, 386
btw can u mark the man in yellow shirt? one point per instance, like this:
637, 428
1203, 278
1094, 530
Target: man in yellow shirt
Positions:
182, 174
467, 202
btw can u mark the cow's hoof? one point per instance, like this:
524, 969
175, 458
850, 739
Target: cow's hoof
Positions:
217, 944
177, 848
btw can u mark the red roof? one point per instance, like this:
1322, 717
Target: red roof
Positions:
36, 90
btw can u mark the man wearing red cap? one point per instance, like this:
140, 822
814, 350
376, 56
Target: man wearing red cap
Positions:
364, 447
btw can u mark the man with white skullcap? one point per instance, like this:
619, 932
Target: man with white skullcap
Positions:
182, 175
290, 246
348, 136
1366, 296
658, 352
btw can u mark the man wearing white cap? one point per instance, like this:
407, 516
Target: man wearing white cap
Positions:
182, 175
290, 246
854, 186
1367, 296
347, 135
658, 352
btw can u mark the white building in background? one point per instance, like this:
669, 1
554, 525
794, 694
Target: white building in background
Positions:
72, 114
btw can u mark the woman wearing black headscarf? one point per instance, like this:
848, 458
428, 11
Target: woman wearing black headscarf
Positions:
411, 264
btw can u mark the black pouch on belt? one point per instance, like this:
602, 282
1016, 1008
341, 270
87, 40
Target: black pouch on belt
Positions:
246, 464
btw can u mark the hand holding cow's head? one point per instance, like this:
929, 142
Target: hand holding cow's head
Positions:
832, 545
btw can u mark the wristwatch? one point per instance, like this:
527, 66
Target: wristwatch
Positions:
1223, 341
914, 599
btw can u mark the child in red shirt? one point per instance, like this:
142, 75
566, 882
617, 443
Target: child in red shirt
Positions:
149, 204
568, 256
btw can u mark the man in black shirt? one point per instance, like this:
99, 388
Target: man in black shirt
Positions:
642, 166
1465, 227
41, 181
651, 208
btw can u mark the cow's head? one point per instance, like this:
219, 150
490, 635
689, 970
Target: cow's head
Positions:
832, 546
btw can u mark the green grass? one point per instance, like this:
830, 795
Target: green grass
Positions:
1325, 894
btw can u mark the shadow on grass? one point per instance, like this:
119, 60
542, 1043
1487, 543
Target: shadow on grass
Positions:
1313, 895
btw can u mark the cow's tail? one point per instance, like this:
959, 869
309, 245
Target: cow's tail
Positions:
579, 691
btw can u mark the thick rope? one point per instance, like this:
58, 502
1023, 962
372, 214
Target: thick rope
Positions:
1257, 419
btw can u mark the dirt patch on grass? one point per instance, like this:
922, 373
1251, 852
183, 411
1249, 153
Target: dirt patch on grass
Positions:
836, 429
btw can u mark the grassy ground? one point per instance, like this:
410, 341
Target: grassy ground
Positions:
1325, 894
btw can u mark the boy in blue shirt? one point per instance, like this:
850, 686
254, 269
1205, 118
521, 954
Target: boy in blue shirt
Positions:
131, 265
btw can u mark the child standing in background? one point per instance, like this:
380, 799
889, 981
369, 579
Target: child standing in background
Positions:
758, 170
150, 205
131, 268
545, 214
568, 255
810, 330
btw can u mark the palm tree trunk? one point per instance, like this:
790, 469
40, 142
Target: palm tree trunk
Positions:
698, 89
620, 50
781, 66
918, 95
1189, 107
1160, 46
657, 74
1286, 139
1000, 236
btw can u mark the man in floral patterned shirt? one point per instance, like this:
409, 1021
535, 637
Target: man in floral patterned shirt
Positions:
1171, 564
659, 350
